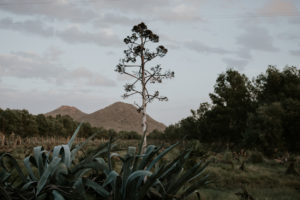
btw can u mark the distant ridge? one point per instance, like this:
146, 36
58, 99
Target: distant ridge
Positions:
118, 116
73, 112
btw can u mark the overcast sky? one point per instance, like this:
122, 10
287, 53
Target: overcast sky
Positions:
63, 52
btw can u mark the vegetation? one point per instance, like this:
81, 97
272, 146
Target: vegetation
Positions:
262, 114
138, 49
22, 123
58, 174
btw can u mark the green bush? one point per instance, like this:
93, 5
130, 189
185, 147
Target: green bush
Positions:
129, 135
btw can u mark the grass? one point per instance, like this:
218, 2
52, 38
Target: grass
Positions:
264, 180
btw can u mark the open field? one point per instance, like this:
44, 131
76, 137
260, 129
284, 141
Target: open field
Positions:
263, 179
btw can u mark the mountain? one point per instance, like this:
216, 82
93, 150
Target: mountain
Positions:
118, 116
73, 112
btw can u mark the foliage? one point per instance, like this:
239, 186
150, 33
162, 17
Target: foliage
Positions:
256, 157
59, 175
261, 114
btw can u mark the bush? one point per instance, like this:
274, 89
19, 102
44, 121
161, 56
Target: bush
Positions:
129, 135
256, 157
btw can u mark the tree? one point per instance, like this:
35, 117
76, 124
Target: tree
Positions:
134, 65
232, 102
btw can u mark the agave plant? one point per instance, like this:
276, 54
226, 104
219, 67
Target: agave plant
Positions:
57, 175
47, 173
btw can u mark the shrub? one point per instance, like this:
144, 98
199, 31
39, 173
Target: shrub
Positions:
256, 157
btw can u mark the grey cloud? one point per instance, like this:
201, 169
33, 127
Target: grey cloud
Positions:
30, 26
33, 66
71, 35
108, 19
54, 9
253, 38
238, 63
203, 48
295, 52
256, 38
180, 12
75, 35
104, 12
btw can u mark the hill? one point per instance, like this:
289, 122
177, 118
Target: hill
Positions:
118, 116
73, 112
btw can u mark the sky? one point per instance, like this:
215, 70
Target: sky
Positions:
64, 52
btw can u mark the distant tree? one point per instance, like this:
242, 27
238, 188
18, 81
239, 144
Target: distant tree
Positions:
137, 56
232, 102
282, 88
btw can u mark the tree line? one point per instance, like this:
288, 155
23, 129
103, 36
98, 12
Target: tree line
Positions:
262, 113
24, 124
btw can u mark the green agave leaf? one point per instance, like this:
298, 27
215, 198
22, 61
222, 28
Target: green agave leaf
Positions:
96, 164
60, 173
97, 188
102, 149
134, 175
199, 172
111, 178
80, 173
126, 168
66, 155
56, 151
161, 155
49, 170
117, 188
151, 150
79, 186
131, 151
151, 181
4, 176
28, 185
70, 143
178, 183
203, 181
39, 158
108, 153
64, 151
4, 193
175, 165
77, 148
15, 165
42, 196
57, 195
27, 162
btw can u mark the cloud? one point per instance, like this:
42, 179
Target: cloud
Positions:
108, 19
203, 48
238, 63
54, 9
30, 26
254, 38
278, 8
106, 12
72, 34
295, 52
27, 65
180, 12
